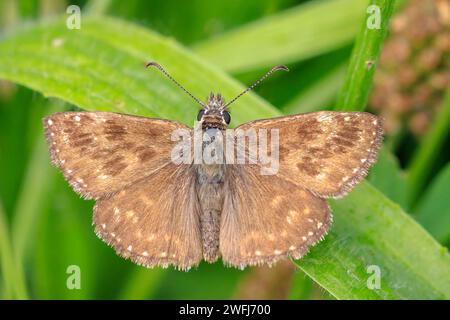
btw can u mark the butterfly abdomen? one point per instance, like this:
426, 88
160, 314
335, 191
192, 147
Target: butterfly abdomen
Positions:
210, 182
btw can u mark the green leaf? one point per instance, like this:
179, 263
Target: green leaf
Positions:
301, 286
370, 230
433, 211
286, 37
112, 54
387, 176
356, 88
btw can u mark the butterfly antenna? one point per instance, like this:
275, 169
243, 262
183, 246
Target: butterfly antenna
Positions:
256, 83
157, 65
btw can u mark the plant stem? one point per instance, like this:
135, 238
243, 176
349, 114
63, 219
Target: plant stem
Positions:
421, 164
358, 82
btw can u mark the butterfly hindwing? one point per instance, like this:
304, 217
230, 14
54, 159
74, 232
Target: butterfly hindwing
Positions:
266, 218
154, 222
325, 152
102, 152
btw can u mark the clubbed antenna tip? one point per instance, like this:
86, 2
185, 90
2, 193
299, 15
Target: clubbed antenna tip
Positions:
280, 68
284, 68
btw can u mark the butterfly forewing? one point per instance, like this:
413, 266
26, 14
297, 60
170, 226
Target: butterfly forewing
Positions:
266, 218
325, 152
102, 152
154, 222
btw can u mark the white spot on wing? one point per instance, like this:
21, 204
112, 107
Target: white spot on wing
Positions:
50, 122
77, 118
130, 248
258, 253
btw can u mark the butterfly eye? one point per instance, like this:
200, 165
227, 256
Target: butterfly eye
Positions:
226, 117
200, 114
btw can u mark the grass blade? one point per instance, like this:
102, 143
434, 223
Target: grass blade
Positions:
289, 36
433, 211
421, 165
13, 277
319, 94
37, 183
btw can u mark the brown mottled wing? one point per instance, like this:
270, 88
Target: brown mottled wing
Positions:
266, 218
325, 152
102, 152
154, 222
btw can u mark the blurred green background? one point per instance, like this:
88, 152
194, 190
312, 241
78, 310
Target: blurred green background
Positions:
399, 220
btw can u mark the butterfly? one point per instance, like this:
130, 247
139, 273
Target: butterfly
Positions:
158, 213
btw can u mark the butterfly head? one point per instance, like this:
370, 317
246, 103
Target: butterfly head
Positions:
214, 114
